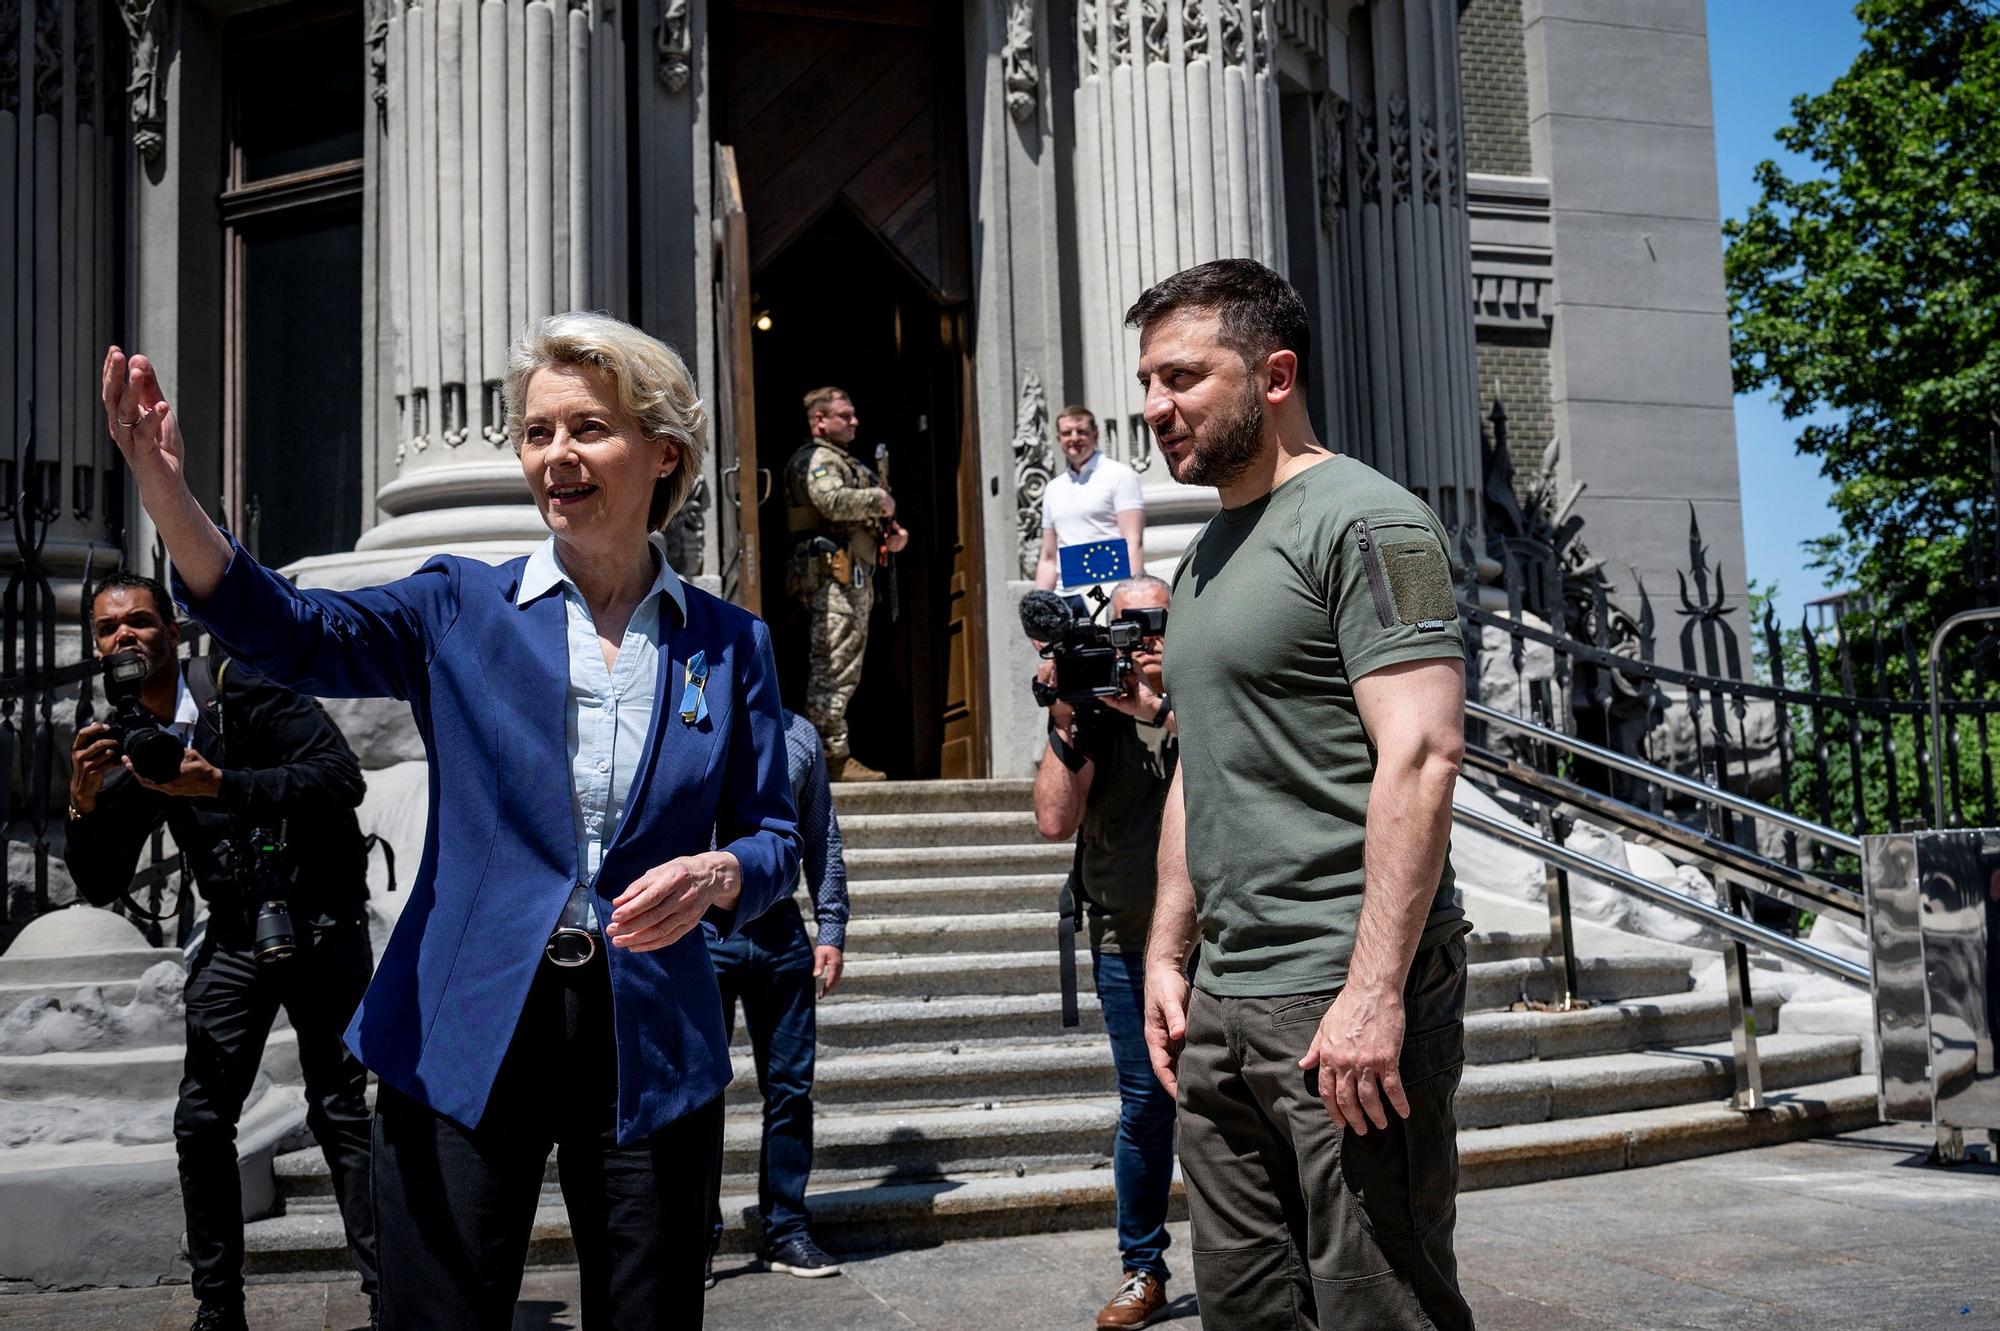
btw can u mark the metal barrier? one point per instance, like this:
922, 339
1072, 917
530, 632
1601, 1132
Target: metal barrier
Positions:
1737, 869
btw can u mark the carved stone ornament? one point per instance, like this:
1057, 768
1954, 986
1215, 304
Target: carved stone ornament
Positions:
1367, 161
85, 52
1031, 469
48, 58
1399, 147
1153, 24
1194, 31
1017, 62
1121, 35
1433, 165
378, 53
1332, 116
676, 46
10, 56
1086, 31
145, 35
684, 535
1232, 31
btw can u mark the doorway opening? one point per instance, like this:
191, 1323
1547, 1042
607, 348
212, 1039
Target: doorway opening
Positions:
837, 308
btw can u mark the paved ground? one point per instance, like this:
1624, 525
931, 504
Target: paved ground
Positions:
1852, 1232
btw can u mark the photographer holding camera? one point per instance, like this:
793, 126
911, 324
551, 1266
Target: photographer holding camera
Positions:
1103, 779
259, 790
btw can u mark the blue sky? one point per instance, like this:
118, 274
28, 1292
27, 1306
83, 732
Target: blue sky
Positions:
1762, 53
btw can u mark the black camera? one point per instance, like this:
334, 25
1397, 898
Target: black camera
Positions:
155, 753
1092, 660
262, 871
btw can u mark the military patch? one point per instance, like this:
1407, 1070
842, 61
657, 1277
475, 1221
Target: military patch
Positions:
1420, 582
818, 472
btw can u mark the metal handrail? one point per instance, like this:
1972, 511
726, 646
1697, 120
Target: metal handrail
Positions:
1755, 871
1746, 931
1937, 705
1645, 771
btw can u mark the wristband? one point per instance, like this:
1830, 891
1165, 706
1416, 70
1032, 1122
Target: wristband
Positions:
1160, 717
1065, 755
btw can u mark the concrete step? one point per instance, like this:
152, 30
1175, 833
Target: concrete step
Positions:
933, 861
152, 1072
902, 831
970, 894
875, 1215
1489, 984
926, 935
1490, 1037
1007, 795
60, 974
13, 995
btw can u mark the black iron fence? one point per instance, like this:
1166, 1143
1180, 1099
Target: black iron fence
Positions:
1830, 724
47, 691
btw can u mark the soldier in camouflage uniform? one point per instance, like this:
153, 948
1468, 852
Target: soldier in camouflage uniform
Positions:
838, 515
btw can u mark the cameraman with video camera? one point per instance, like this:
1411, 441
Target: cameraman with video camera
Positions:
1103, 778
259, 790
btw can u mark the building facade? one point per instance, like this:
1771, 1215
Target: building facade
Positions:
325, 220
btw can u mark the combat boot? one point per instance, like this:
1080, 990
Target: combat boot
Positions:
845, 768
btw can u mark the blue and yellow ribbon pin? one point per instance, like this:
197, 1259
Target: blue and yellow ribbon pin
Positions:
694, 690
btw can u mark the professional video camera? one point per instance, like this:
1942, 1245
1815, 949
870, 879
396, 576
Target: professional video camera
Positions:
155, 753
1092, 660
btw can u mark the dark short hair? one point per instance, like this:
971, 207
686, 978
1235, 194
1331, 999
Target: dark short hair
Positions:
122, 577
1075, 410
1260, 311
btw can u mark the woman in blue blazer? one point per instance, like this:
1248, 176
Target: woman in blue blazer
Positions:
594, 726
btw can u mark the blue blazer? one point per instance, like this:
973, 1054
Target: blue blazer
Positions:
487, 681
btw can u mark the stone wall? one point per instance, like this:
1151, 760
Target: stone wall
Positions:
1516, 369
1494, 66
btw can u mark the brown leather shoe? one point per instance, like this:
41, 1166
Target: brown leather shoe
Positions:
845, 768
1138, 1301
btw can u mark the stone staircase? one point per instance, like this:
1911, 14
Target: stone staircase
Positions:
952, 1103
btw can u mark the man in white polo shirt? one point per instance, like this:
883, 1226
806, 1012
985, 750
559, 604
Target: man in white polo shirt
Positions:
1094, 498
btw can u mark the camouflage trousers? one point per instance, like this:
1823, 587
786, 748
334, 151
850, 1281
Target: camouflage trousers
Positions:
837, 614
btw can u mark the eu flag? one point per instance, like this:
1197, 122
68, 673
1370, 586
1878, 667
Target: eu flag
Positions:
1099, 561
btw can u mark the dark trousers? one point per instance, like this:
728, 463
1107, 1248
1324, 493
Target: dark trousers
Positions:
1298, 1223
232, 1000
768, 968
1142, 1155
456, 1205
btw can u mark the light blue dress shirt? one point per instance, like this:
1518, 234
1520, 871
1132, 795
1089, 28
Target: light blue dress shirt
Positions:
608, 713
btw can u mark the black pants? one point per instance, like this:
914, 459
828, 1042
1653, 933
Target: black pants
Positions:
231, 1001
1298, 1223
769, 968
456, 1205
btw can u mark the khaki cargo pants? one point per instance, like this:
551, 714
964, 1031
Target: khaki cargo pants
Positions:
837, 615
1298, 1222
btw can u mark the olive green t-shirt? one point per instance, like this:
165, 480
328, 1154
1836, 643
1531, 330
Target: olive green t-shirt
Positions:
1278, 607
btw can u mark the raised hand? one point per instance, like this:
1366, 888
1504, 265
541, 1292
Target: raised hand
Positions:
141, 422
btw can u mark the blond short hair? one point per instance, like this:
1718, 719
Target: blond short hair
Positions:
820, 401
650, 380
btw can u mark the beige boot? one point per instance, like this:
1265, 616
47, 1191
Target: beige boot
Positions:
845, 768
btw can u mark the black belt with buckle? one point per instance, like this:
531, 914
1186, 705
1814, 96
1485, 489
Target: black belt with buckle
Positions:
574, 943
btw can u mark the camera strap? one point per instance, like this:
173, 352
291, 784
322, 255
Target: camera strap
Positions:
204, 684
1069, 912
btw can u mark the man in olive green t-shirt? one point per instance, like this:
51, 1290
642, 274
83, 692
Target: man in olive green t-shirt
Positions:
1318, 681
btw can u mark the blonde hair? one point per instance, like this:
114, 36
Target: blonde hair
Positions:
820, 401
649, 377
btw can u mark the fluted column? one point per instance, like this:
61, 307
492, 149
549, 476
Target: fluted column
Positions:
59, 163
1176, 126
1393, 202
499, 165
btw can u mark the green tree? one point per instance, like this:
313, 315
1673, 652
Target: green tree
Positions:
1870, 291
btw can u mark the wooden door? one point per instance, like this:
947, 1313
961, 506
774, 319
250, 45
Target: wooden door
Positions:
742, 483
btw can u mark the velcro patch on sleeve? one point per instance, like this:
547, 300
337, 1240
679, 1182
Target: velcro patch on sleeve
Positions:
1420, 581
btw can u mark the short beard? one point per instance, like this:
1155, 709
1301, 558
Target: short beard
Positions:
1235, 442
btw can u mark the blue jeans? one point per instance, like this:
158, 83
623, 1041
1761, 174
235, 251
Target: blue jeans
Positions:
1142, 1159
768, 968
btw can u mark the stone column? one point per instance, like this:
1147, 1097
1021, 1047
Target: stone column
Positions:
60, 160
1399, 343
1176, 108
499, 169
